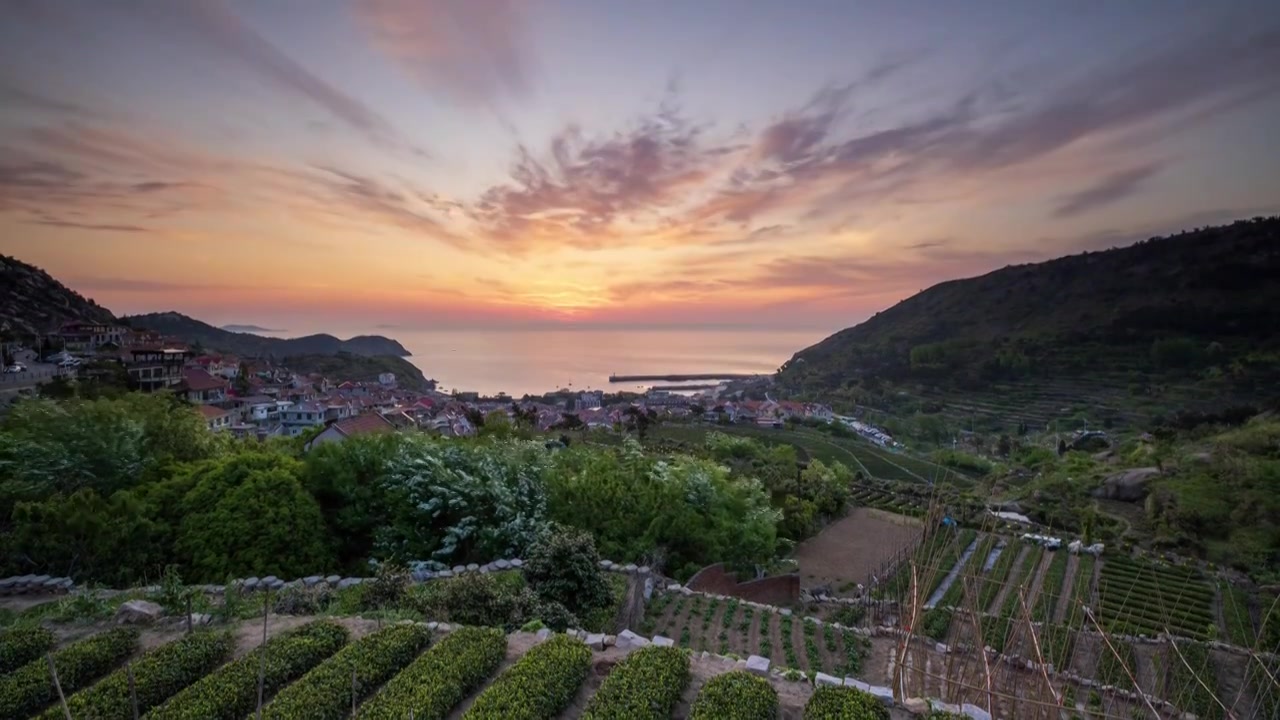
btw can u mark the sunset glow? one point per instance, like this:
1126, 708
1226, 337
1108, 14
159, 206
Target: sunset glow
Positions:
511, 163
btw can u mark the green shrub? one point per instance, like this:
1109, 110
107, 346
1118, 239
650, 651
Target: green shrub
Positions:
441, 677
564, 567
843, 703
648, 684
29, 688
21, 645
327, 690
157, 675
231, 691
736, 695
538, 686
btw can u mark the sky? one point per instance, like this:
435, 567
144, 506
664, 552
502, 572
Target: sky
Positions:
611, 163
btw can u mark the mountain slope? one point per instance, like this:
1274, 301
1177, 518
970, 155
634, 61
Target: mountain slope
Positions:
194, 331
1198, 311
32, 302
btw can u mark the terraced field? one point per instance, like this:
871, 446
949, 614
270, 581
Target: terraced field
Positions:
1137, 597
321, 670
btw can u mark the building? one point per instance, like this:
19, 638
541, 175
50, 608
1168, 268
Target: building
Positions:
299, 418
201, 388
154, 369
88, 337
387, 379
215, 418
367, 424
590, 399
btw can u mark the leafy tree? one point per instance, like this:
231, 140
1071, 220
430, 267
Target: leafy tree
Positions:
84, 536
496, 424
1004, 446
570, 421
564, 567
241, 382
346, 480
249, 514
456, 502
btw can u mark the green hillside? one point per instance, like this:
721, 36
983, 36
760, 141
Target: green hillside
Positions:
243, 343
1190, 321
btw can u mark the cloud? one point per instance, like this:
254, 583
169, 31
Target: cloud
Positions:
584, 185
473, 50
91, 226
409, 209
1109, 190
221, 27
115, 284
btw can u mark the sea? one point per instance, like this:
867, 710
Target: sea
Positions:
533, 362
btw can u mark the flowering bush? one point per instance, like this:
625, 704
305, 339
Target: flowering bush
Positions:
843, 703
157, 675
20, 646
648, 684
328, 691
538, 686
29, 688
736, 695
231, 691
441, 677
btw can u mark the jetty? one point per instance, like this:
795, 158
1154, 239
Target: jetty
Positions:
680, 378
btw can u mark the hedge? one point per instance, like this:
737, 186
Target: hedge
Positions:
648, 684
157, 675
326, 691
736, 695
30, 688
20, 646
441, 677
231, 691
843, 703
538, 686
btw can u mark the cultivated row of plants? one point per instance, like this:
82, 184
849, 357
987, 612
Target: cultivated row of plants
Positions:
231, 691
21, 645
441, 677
991, 583
1185, 671
1051, 588
539, 686
843, 703
996, 630
150, 680
738, 695
937, 620
648, 684
335, 686
30, 688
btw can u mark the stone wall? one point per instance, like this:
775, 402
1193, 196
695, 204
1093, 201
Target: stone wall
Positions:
776, 590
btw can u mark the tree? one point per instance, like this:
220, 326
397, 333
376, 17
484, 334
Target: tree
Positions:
86, 537
697, 410
248, 514
241, 383
564, 567
570, 421
1004, 446
496, 424
346, 480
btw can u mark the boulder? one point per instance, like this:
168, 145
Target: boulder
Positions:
1127, 485
974, 711
517, 562
311, 580
502, 564
333, 579
595, 641
758, 665
628, 639
661, 641
138, 612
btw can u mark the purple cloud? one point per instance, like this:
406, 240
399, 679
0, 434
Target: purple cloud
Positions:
1109, 190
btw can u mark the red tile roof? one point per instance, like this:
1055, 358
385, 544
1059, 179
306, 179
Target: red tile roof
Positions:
210, 412
199, 380
364, 424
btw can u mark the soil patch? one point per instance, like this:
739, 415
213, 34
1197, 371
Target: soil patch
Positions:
851, 549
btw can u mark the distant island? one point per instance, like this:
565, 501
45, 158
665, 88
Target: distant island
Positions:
245, 343
247, 329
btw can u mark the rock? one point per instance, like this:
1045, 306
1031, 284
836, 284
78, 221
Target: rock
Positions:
419, 575
517, 562
443, 627
942, 648
825, 679
251, 583
673, 587
472, 567
276, 584
201, 618
1127, 485
445, 574
916, 706
345, 583
685, 591
459, 569
138, 612
643, 570
433, 625
661, 641
502, 564
630, 567
311, 580
333, 579
627, 639
785, 611
269, 580
485, 569
544, 633
758, 665
595, 641
974, 711
610, 640
883, 694
606, 564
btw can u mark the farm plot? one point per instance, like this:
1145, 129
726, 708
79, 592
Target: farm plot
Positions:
1137, 597
881, 499
937, 620
850, 550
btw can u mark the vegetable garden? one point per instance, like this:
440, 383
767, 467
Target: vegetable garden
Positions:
1137, 597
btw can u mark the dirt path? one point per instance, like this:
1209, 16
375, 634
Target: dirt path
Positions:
1011, 581
850, 549
1061, 612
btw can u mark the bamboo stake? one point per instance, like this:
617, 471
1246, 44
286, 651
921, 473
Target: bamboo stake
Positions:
133, 689
58, 686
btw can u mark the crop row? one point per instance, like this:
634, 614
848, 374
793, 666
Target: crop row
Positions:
937, 621
996, 578
441, 677
1185, 592
21, 645
996, 631
898, 585
335, 686
843, 703
1116, 663
231, 691
1235, 611
30, 688
1184, 667
943, 563
538, 686
150, 680
1051, 588
648, 684
736, 695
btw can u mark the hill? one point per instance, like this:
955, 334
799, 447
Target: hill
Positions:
33, 302
243, 343
360, 368
1186, 321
